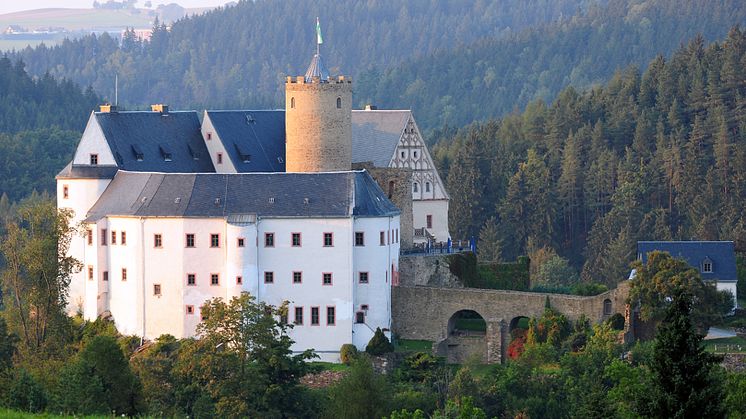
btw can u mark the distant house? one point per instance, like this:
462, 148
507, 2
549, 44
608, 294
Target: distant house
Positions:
715, 260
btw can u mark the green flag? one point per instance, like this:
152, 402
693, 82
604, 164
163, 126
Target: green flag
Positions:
318, 32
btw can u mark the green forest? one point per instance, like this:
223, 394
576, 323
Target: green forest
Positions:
657, 155
450, 64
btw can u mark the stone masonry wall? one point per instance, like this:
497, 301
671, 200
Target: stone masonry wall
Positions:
400, 195
423, 312
318, 134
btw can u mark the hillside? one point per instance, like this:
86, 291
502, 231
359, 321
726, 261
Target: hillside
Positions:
658, 155
452, 64
238, 56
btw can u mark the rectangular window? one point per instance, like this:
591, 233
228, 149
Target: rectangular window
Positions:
220, 158
103, 237
239, 280
331, 318
429, 221
269, 239
94, 159
157, 240
124, 238
190, 240
124, 274
214, 240
707, 267
214, 279
90, 273
297, 277
157, 289
89, 233
326, 278
298, 315
359, 317
241, 242
269, 277
191, 279
397, 235
363, 277
328, 239
383, 239
295, 239
209, 136
314, 316
113, 237
106, 276
65, 192
359, 238
189, 310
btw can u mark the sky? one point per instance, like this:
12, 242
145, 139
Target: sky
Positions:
10, 6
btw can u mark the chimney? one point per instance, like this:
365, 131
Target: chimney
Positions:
370, 107
159, 108
108, 108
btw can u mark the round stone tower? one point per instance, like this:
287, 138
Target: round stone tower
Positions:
318, 120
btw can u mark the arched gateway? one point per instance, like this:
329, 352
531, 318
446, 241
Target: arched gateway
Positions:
465, 322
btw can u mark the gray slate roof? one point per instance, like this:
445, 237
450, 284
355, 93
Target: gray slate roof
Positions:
375, 135
260, 134
155, 137
720, 253
333, 194
72, 171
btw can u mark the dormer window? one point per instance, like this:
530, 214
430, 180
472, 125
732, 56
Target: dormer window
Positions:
137, 151
243, 153
165, 153
94, 159
707, 266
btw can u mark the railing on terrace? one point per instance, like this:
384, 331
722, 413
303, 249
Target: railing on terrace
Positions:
436, 248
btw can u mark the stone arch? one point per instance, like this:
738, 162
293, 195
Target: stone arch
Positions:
518, 322
466, 338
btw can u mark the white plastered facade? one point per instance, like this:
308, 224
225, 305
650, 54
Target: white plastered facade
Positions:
137, 310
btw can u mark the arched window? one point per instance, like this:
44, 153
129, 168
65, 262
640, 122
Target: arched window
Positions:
427, 186
415, 188
391, 188
607, 307
292, 103
339, 103
415, 154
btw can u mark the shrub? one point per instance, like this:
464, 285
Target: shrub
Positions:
26, 394
379, 344
99, 381
347, 353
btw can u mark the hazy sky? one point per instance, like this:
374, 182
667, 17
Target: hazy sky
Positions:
8, 6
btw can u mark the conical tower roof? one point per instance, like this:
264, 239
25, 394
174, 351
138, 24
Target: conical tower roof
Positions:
317, 69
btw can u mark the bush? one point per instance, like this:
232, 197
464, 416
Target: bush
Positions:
100, 381
379, 344
347, 353
26, 394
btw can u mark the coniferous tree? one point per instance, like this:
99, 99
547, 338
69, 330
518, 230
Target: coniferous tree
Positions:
685, 379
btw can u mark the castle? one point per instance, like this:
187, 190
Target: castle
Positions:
175, 211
